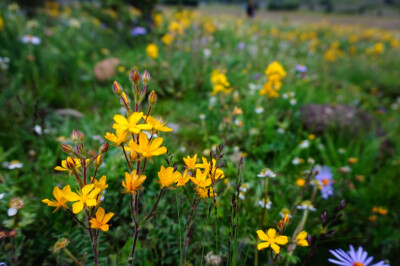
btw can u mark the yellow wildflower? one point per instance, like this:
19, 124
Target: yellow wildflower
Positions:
214, 172
205, 192
175, 28
275, 68
119, 138
271, 240
100, 184
167, 39
157, 125
157, 18
190, 162
201, 179
132, 182
301, 182
301, 239
146, 148
101, 220
183, 179
167, 177
152, 50
130, 124
86, 196
60, 200
69, 165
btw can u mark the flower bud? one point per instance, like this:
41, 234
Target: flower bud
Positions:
280, 225
152, 98
80, 135
134, 77
99, 161
70, 163
74, 136
286, 219
125, 99
104, 147
117, 89
66, 148
132, 156
145, 78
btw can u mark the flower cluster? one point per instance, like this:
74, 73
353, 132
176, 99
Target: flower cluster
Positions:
275, 73
220, 82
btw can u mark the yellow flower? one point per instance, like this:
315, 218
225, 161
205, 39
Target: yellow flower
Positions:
167, 39
146, 148
167, 177
201, 179
220, 82
301, 239
190, 162
130, 124
205, 192
175, 28
69, 165
1, 23
301, 182
100, 184
213, 172
101, 220
157, 125
87, 195
271, 239
119, 138
275, 68
132, 182
183, 179
152, 50
60, 200
157, 18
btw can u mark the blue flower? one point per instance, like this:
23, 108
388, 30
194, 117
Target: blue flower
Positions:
136, 31
324, 178
353, 258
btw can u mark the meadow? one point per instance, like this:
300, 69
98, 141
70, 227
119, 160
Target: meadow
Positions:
197, 136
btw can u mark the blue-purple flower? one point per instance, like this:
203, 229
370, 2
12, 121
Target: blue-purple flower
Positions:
353, 258
137, 31
325, 181
301, 68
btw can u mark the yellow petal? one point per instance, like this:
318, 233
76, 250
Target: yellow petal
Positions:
276, 248
100, 214
91, 202
159, 151
119, 119
104, 227
156, 143
71, 196
107, 217
77, 207
281, 240
261, 234
87, 188
59, 168
262, 245
271, 233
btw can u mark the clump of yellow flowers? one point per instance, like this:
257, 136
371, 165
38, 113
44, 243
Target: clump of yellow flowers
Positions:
275, 74
86, 196
220, 83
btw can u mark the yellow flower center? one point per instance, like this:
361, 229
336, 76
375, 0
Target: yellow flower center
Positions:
358, 264
326, 182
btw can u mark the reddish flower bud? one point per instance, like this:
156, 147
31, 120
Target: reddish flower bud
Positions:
79, 135
280, 225
74, 136
152, 98
117, 89
66, 148
104, 147
286, 219
134, 77
145, 78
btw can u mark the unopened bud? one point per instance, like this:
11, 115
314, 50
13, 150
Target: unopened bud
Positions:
66, 148
145, 78
104, 147
152, 98
280, 225
99, 161
286, 219
132, 156
74, 136
117, 89
80, 135
70, 163
125, 99
134, 77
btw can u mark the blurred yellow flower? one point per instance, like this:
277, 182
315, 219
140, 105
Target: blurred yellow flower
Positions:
167, 39
301, 239
60, 200
183, 179
119, 138
157, 125
100, 184
205, 192
167, 177
152, 50
190, 162
201, 179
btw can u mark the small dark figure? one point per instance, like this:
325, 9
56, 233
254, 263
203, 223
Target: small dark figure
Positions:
250, 9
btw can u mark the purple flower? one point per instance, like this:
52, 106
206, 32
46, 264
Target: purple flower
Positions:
301, 68
324, 178
136, 31
241, 46
353, 258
